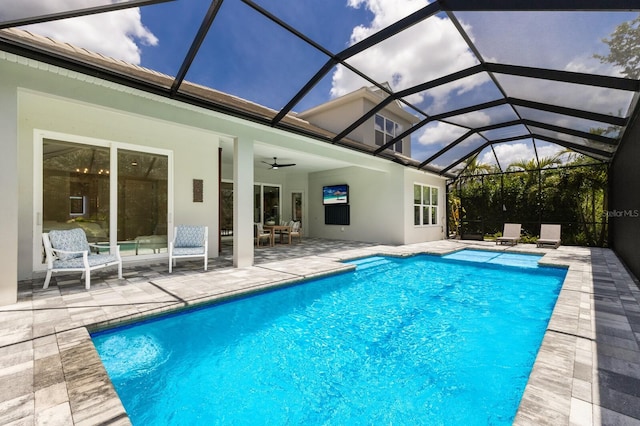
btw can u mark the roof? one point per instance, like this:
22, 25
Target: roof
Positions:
507, 92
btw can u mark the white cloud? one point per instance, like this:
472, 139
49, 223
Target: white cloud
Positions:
440, 133
509, 153
589, 65
548, 151
412, 57
114, 34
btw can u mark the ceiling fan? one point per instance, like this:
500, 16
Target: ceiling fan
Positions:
276, 166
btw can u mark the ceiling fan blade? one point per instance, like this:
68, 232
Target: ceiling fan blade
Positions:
275, 164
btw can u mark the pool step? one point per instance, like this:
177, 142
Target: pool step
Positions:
371, 262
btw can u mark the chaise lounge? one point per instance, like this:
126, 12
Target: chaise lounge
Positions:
549, 236
510, 235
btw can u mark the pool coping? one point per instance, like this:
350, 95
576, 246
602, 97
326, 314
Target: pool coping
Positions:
70, 385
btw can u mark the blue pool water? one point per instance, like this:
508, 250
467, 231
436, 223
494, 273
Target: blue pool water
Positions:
419, 340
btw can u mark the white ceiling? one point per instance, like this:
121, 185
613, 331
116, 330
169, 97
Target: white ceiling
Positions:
305, 162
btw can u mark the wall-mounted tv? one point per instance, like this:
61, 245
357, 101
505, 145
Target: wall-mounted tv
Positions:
335, 194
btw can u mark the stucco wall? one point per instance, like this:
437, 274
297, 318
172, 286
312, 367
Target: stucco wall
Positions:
194, 156
341, 116
381, 205
194, 150
344, 114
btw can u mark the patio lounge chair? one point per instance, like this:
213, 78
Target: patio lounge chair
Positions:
549, 236
189, 241
511, 234
68, 250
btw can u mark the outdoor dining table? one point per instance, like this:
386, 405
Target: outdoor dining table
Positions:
279, 228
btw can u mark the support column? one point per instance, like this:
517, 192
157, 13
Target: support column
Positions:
242, 202
9, 179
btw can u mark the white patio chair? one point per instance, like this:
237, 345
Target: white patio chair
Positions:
189, 241
68, 251
510, 235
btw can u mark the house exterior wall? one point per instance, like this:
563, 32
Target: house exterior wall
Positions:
345, 113
40, 99
340, 116
416, 234
195, 159
380, 212
43, 103
388, 113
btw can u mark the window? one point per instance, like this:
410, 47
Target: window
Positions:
77, 205
425, 205
386, 130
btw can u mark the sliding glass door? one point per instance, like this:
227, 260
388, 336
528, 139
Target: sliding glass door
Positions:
78, 192
271, 204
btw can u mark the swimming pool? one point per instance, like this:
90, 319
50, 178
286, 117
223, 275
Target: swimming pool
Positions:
399, 341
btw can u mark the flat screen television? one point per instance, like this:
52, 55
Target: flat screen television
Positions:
335, 194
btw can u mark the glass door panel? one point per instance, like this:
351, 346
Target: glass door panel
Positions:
271, 204
142, 202
296, 206
226, 214
75, 188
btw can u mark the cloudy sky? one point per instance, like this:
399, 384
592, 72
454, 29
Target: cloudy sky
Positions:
246, 55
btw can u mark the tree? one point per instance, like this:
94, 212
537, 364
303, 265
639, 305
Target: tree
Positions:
624, 48
473, 167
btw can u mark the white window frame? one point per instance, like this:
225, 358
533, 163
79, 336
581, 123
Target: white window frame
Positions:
433, 209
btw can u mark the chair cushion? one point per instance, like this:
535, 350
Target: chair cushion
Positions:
188, 251
189, 236
94, 260
69, 240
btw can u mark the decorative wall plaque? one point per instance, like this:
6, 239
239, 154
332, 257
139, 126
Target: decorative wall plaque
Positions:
197, 190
